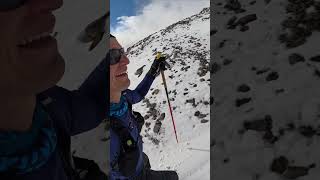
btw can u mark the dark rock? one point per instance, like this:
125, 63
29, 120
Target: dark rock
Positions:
155, 141
233, 5
147, 124
262, 71
278, 91
162, 116
295, 58
264, 124
290, 126
269, 137
246, 19
240, 102
185, 93
279, 165
244, 28
252, 2
195, 85
186, 89
267, 1
204, 121
290, 23
201, 80
157, 126
272, 76
202, 116
315, 58
293, 172
243, 88
205, 102
227, 62
197, 113
307, 131
212, 32
221, 44
155, 92
317, 72
231, 21
226, 160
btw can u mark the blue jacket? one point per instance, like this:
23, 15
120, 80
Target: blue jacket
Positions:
72, 112
128, 120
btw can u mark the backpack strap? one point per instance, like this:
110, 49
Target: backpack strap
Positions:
64, 142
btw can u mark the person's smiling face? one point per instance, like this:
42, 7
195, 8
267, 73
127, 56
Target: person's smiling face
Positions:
29, 57
119, 80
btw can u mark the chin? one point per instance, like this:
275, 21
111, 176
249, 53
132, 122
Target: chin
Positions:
52, 76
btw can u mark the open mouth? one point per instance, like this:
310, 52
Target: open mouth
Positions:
36, 41
122, 74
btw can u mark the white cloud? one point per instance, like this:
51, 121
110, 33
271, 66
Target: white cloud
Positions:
154, 16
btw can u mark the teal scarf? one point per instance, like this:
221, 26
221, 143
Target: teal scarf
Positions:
22, 152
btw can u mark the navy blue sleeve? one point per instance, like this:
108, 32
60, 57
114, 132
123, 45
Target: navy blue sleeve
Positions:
136, 95
86, 107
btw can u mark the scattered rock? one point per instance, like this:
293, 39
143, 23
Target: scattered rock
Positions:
243, 88
157, 126
317, 72
197, 113
262, 71
315, 58
240, 102
272, 76
278, 91
147, 124
295, 58
227, 62
269, 137
212, 32
155, 92
307, 131
264, 124
252, 2
246, 19
204, 121
293, 172
244, 28
279, 165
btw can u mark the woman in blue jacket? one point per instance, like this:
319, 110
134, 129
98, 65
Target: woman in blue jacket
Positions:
127, 160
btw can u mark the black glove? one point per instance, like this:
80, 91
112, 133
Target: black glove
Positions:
159, 63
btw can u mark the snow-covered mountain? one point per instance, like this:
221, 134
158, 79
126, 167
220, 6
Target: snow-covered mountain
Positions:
266, 112
188, 45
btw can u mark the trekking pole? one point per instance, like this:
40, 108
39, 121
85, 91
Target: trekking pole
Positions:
165, 87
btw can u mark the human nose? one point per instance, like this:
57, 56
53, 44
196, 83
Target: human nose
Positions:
124, 60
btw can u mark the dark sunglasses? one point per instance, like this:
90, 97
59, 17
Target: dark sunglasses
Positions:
114, 55
6, 5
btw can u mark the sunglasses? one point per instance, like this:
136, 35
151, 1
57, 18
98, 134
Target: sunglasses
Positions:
115, 55
6, 5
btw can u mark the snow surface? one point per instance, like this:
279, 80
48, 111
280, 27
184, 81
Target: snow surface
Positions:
191, 156
244, 155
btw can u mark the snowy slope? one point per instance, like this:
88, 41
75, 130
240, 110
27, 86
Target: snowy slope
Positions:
71, 19
187, 43
267, 101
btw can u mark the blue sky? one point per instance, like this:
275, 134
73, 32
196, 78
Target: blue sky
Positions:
119, 8
133, 20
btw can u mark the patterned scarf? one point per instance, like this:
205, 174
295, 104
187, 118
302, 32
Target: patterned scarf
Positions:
119, 109
23, 152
